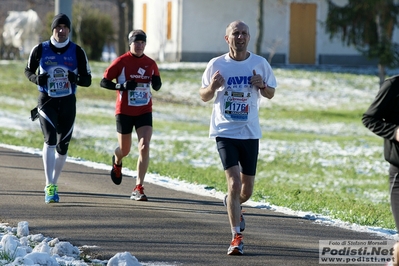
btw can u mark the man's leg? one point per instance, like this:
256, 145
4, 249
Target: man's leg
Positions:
144, 135
394, 192
234, 187
48, 162
233, 203
247, 187
125, 142
120, 152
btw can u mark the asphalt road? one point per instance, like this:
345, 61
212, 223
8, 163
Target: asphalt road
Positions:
173, 227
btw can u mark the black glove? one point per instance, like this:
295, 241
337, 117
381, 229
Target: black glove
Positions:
72, 77
130, 85
156, 82
41, 79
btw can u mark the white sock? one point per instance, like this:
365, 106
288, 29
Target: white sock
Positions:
235, 230
59, 164
48, 162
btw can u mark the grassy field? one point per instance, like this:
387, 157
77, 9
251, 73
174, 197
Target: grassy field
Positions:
315, 154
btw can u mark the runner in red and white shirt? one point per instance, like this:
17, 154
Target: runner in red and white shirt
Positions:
135, 74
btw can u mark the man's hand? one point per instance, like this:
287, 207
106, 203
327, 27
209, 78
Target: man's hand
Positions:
130, 85
265, 91
41, 79
217, 81
72, 77
256, 80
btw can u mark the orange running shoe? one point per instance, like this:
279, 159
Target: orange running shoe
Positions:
236, 246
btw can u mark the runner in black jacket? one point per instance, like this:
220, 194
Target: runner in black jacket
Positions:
61, 66
382, 118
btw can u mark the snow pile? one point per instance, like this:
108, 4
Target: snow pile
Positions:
17, 247
123, 259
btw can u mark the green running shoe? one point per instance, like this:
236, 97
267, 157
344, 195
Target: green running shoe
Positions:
51, 194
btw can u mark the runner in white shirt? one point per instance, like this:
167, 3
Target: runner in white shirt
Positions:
239, 79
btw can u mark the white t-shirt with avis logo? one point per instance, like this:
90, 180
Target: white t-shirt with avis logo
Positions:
236, 106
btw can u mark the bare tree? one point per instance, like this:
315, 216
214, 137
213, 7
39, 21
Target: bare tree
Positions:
122, 33
259, 35
130, 12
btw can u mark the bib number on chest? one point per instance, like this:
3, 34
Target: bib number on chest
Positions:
59, 86
140, 95
236, 106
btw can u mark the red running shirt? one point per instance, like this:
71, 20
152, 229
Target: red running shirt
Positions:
128, 67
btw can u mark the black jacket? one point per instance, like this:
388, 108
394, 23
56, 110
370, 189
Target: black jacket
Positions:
382, 118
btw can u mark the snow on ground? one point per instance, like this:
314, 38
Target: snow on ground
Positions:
54, 252
294, 92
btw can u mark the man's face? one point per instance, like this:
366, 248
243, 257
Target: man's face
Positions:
237, 37
61, 33
137, 48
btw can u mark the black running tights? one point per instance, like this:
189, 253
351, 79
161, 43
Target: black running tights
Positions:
394, 192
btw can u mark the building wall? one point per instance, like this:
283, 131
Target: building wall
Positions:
151, 16
198, 29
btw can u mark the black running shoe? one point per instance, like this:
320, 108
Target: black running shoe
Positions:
116, 172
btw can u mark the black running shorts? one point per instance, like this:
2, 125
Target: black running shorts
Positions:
125, 123
242, 152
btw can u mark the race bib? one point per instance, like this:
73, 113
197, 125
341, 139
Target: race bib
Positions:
236, 106
59, 86
140, 96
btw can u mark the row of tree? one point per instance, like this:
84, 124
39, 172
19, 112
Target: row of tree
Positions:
93, 29
368, 25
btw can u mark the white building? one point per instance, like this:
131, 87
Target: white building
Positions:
193, 30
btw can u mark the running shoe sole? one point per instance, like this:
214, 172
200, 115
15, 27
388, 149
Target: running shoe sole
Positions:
47, 201
235, 251
141, 197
